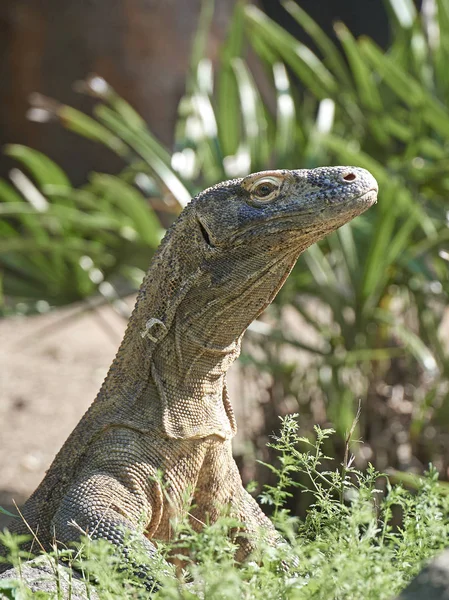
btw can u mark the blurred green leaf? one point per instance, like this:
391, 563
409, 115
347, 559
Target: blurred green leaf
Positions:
151, 151
44, 170
366, 85
87, 127
331, 54
131, 202
411, 341
306, 65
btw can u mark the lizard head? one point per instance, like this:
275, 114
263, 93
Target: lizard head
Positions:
236, 242
292, 207
248, 233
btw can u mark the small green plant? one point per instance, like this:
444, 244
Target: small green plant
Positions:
362, 538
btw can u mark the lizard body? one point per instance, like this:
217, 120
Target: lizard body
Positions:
163, 406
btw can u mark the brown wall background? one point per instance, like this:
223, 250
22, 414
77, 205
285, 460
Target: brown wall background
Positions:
141, 47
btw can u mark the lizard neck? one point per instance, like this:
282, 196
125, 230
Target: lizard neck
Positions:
189, 379
185, 333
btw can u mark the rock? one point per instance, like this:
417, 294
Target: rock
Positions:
40, 575
432, 583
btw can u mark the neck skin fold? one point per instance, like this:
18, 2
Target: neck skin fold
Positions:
200, 307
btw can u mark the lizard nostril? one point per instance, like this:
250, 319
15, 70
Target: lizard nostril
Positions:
349, 177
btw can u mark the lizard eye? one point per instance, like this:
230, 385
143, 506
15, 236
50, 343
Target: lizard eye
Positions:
265, 189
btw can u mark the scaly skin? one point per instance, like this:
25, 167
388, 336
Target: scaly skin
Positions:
163, 406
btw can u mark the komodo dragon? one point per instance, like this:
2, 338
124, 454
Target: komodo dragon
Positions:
163, 406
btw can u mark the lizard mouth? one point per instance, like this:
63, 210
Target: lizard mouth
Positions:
369, 197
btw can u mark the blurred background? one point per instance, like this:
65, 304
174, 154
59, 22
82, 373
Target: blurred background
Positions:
113, 114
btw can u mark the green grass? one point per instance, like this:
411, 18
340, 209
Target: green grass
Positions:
363, 538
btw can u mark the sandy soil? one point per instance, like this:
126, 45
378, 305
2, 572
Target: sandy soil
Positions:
51, 369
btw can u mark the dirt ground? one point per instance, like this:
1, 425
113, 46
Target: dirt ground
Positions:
51, 369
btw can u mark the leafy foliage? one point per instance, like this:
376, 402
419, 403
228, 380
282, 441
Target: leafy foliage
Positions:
372, 296
61, 244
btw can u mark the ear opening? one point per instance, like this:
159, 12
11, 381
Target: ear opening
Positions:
205, 234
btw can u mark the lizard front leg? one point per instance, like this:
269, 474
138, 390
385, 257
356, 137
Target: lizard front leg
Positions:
257, 526
219, 489
115, 497
103, 507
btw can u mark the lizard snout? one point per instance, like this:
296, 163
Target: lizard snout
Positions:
358, 176
344, 186
357, 181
